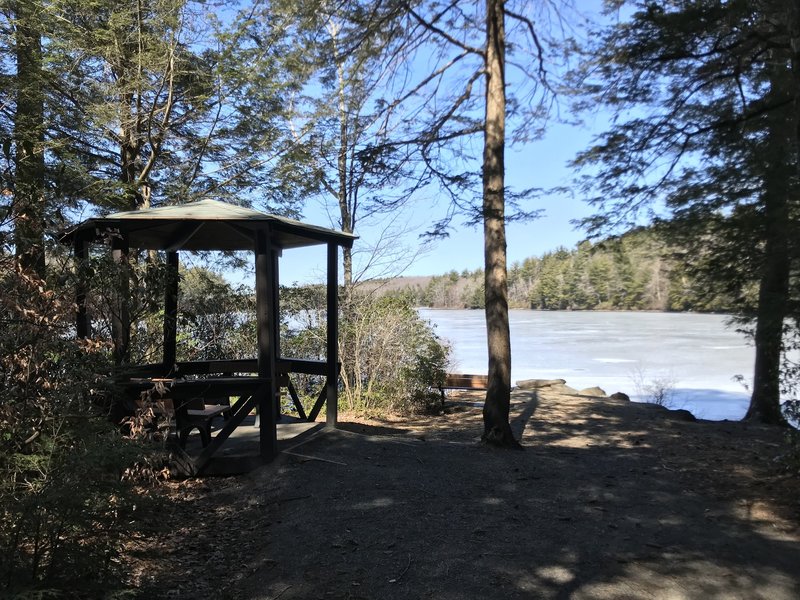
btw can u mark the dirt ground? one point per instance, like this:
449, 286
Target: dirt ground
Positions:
610, 499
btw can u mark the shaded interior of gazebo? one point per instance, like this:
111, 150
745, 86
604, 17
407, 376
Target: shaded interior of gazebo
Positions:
210, 225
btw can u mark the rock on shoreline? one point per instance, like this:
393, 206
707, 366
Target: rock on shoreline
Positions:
560, 386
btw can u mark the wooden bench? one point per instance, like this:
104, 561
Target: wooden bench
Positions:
188, 409
463, 381
199, 414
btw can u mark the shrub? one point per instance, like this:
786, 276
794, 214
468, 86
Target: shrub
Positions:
392, 361
64, 510
659, 390
391, 358
791, 412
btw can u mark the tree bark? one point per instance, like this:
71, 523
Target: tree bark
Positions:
772, 310
497, 430
773, 293
343, 189
29, 185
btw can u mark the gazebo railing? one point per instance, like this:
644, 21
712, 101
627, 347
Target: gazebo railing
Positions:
228, 367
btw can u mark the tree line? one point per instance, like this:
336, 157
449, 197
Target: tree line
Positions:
639, 270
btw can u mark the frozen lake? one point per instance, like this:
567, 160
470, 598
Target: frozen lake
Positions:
695, 354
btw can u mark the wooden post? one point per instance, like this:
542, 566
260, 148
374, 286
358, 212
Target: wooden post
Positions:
276, 310
276, 329
171, 313
332, 366
121, 318
83, 324
265, 319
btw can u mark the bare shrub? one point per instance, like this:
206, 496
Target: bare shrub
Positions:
659, 390
392, 360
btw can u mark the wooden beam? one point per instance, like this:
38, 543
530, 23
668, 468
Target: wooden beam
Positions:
245, 233
323, 394
208, 367
184, 234
302, 365
171, 312
332, 370
83, 323
265, 293
295, 399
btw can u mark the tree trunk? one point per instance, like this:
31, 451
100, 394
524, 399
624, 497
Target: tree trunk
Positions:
343, 190
29, 200
497, 430
773, 293
771, 312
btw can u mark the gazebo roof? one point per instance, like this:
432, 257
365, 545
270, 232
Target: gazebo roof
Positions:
205, 225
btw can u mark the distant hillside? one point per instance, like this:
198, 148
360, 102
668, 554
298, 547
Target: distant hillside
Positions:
396, 284
637, 271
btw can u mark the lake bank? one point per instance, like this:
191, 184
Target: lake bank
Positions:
695, 357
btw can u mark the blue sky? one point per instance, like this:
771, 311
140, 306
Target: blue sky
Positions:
541, 163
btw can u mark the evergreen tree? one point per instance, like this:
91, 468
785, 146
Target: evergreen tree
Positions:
130, 98
576, 285
28, 190
265, 61
714, 135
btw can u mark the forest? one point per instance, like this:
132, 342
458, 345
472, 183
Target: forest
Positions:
364, 108
639, 270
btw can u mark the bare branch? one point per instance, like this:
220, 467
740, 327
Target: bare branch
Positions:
543, 79
443, 34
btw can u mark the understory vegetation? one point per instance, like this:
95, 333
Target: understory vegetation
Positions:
392, 360
70, 480
67, 503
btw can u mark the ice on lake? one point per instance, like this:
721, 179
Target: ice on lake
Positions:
696, 356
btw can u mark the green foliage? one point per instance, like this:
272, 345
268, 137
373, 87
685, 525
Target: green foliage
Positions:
640, 270
140, 281
65, 511
425, 372
215, 320
144, 103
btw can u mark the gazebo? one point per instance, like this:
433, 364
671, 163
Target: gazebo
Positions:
210, 225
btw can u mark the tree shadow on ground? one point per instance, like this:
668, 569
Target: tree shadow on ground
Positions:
370, 428
521, 420
608, 502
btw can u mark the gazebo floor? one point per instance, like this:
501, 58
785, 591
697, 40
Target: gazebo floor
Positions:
241, 451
